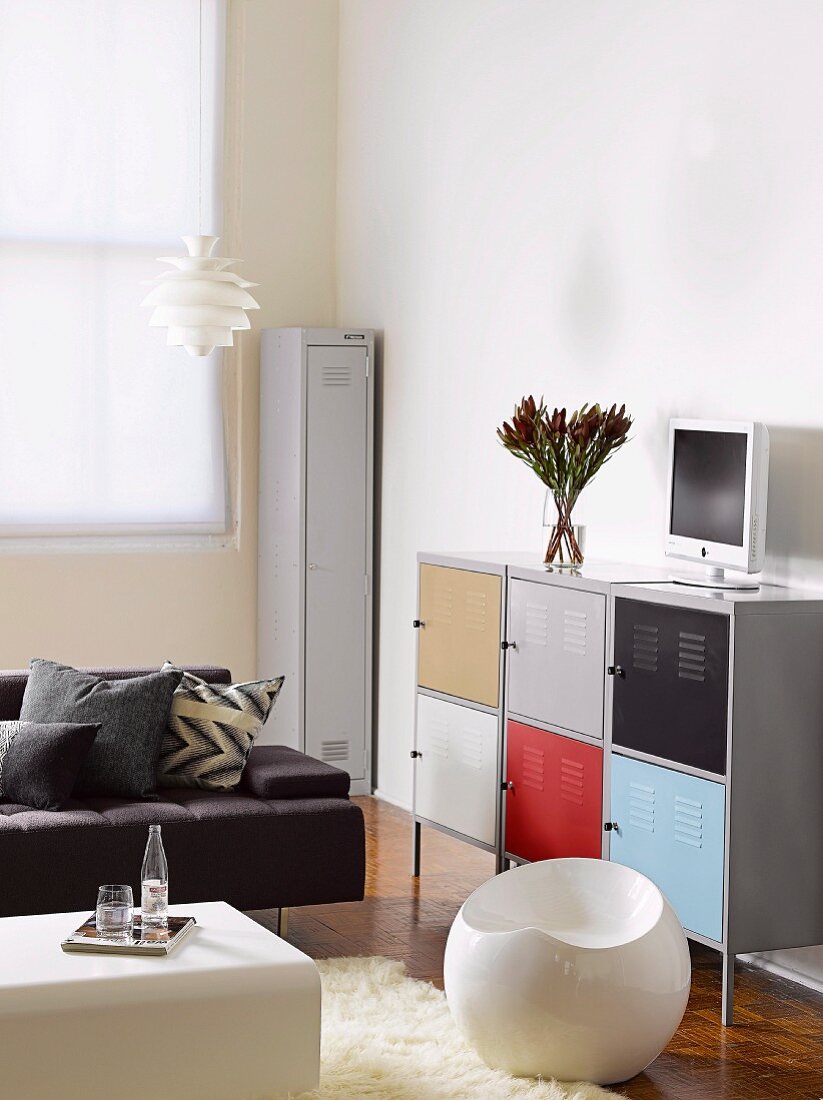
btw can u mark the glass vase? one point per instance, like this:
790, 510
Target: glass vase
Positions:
564, 541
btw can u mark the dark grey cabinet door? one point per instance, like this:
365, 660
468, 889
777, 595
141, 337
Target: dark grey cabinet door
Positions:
671, 683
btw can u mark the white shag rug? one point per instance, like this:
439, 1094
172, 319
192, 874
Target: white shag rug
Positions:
388, 1037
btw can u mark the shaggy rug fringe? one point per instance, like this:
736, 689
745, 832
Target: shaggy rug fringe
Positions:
388, 1037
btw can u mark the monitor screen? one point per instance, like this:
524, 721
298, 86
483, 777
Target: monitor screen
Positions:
709, 486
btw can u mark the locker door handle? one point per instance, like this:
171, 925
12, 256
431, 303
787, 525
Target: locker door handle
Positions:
414, 754
507, 785
616, 670
508, 645
611, 827
313, 565
418, 623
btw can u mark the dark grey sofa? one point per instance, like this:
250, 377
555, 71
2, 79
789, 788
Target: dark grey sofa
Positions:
288, 836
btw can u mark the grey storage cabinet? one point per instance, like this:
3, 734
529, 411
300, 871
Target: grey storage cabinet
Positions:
716, 739
315, 541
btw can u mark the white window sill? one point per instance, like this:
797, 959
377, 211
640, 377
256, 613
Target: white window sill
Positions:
117, 539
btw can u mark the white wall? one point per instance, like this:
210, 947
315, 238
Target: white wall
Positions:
597, 201
119, 608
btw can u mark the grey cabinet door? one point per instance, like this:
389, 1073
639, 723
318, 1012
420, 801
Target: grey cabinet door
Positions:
336, 556
557, 665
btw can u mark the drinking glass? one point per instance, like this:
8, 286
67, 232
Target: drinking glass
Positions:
115, 911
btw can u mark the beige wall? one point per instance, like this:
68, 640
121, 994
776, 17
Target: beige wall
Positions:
119, 608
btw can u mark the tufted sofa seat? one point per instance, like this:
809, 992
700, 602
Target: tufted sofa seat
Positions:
288, 836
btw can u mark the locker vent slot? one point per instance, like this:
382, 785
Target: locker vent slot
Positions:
641, 806
443, 604
533, 772
691, 657
332, 751
438, 738
688, 821
537, 624
574, 632
645, 649
336, 374
473, 749
571, 781
476, 611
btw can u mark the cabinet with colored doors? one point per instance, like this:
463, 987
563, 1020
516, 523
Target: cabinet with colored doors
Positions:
715, 757
554, 795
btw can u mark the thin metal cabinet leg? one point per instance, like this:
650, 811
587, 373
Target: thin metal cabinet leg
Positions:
416, 851
727, 1011
283, 923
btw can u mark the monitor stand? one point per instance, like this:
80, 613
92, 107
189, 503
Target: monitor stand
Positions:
715, 577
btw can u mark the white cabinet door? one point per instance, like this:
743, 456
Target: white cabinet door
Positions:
557, 666
336, 556
456, 773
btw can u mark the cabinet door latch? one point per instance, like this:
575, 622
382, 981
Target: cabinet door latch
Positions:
414, 754
610, 827
507, 785
616, 670
508, 645
418, 623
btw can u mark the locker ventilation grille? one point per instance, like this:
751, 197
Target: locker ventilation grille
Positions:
537, 624
641, 806
438, 738
336, 374
691, 657
331, 751
443, 604
645, 649
688, 821
574, 632
476, 611
571, 781
473, 749
533, 772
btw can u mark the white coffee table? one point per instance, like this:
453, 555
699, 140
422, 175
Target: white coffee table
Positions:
232, 1014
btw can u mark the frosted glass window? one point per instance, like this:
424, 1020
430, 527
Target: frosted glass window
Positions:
101, 423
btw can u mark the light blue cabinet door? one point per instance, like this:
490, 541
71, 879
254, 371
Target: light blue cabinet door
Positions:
671, 827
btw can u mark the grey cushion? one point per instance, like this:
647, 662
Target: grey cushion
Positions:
211, 730
132, 715
39, 764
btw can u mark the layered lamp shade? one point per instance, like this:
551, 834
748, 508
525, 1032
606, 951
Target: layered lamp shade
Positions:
199, 302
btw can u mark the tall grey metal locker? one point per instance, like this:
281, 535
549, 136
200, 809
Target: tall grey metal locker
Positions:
315, 541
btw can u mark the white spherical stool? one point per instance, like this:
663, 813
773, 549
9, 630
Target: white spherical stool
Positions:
572, 968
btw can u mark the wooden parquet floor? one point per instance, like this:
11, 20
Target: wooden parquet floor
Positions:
773, 1052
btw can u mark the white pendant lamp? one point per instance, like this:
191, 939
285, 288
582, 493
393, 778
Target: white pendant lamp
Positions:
199, 302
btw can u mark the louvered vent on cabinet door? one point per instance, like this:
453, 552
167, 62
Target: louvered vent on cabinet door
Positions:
641, 806
691, 657
537, 624
336, 374
688, 821
574, 632
645, 649
437, 741
476, 617
533, 767
571, 781
472, 748
443, 604
335, 750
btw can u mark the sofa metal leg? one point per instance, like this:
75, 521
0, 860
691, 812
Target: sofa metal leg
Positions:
283, 924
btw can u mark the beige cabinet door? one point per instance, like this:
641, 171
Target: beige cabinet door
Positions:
459, 641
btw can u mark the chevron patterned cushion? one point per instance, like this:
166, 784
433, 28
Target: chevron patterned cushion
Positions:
211, 730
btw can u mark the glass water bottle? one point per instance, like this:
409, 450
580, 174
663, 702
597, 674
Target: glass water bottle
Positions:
155, 880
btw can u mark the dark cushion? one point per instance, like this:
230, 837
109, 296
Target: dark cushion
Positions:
132, 715
13, 683
275, 771
39, 764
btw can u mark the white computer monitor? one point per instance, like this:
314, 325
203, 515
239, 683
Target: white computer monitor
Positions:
717, 494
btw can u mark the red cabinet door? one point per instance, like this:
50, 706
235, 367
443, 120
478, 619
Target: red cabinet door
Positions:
554, 803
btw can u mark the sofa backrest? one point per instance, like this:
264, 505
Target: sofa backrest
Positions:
13, 684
